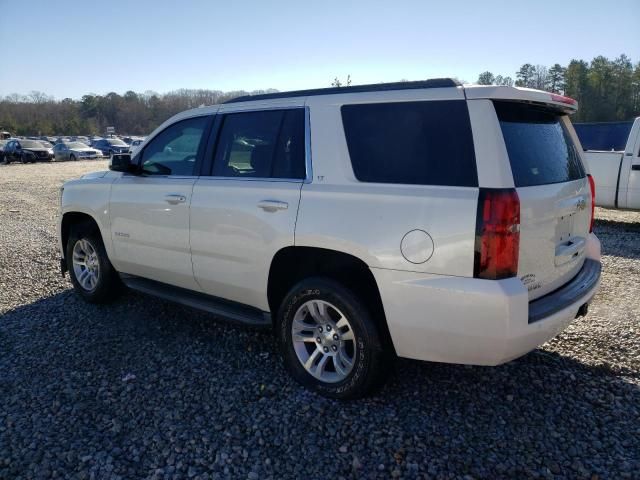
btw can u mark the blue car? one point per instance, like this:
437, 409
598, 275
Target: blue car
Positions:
109, 146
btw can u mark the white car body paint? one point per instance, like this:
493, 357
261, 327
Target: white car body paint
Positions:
220, 242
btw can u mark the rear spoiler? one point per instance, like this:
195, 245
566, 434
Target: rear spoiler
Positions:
519, 94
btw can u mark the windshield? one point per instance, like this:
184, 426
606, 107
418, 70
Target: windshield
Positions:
117, 142
76, 145
30, 144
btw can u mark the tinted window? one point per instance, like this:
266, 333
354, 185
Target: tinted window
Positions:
425, 143
539, 147
264, 144
174, 150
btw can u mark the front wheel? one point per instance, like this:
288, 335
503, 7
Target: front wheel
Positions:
329, 340
91, 272
72, 158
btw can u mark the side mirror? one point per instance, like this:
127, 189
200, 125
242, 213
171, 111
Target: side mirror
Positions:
121, 162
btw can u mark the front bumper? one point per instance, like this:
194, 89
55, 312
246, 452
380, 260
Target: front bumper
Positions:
479, 322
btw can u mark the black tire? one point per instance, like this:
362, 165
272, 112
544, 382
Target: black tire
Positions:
72, 158
372, 361
23, 159
108, 285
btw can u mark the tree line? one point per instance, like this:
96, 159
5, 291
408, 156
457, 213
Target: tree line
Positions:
132, 113
606, 90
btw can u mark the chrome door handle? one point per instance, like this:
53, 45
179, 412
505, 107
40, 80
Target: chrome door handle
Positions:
272, 205
174, 199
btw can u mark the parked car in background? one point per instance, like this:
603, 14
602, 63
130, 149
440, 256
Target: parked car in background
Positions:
109, 146
135, 145
5, 135
292, 211
75, 151
2, 144
48, 146
26, 151
614, 162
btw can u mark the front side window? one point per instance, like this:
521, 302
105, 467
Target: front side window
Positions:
263, 144
174, 151
419, 143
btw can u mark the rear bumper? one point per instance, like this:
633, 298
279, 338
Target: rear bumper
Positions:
570, 293
479, 322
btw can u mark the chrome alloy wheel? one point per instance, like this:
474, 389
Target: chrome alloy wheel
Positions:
86, 265
323, 341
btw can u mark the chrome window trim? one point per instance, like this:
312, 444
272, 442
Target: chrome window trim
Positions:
254, 179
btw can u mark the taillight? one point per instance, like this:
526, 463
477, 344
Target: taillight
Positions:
592, 186
497, 234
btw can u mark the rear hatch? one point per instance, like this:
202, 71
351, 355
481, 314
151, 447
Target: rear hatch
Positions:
554, 193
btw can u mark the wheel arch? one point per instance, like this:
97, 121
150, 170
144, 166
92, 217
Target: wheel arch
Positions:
292, 264
70, 219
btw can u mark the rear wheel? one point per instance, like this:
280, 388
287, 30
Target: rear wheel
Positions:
329, 340
72, 158
91, 272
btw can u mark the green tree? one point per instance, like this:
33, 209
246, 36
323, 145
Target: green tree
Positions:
577, 86
525, 76
486, 78
556, 78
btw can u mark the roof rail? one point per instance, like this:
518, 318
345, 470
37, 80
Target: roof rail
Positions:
374, 87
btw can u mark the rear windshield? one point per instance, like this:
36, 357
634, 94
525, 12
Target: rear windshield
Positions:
423, 143
540, 149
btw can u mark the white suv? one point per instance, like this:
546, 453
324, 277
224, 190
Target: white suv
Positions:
427, 220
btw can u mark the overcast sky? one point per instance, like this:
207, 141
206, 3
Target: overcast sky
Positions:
70, 48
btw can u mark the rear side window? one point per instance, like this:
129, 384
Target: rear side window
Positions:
540, 149
420, 143
263, 144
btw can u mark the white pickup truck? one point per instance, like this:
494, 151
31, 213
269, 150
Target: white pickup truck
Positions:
617, 173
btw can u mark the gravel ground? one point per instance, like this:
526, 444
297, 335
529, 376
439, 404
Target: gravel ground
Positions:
147, 389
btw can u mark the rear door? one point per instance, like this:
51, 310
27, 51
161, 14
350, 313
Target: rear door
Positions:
245, 210
554, 193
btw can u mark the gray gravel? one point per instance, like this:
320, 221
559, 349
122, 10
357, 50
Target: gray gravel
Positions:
147, 389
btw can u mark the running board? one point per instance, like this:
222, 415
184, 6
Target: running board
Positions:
226, 309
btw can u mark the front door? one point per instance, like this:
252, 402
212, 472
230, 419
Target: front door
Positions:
150, 212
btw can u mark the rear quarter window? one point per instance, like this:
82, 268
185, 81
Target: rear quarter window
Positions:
423, 143
540, 149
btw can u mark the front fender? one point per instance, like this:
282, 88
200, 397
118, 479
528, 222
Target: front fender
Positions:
89, 196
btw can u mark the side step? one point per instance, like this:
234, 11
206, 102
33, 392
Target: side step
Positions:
226, 309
